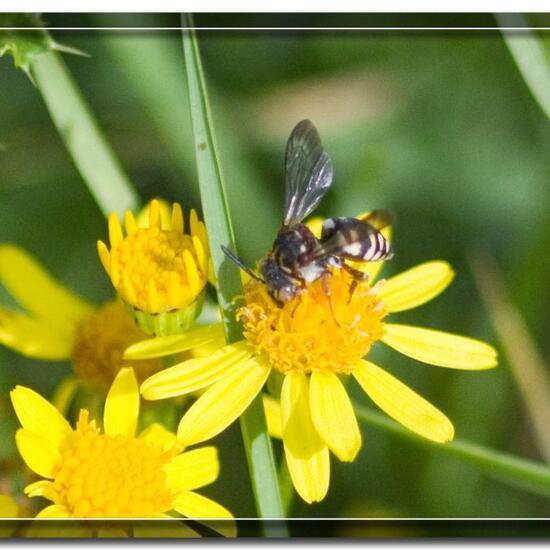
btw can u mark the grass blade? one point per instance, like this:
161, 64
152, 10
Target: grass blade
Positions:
526, 363
529, 57
511, 470
253, 425
80, 132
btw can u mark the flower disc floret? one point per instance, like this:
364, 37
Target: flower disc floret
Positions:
315, 331
111, 476
99, 344
157, 269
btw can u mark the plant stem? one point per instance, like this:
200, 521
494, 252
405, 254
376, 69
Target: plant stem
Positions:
256, 440
517, 472
82, 136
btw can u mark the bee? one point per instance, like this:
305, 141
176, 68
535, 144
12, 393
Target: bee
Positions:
297, 257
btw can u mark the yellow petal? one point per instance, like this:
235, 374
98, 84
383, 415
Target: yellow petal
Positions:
169, 345
177, 218
157, 435
416, 286
306, 454
403, 404
122, 404
192, 469
42, 488
272, 410
115, 230
38, 339
8, 507
333, 415
440, 348
36, 290
165, 211
39, 454
39, 417
223, 402
195, 506
54, 511
194, 374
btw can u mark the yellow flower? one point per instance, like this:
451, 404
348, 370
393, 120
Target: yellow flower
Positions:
58, 325
312, 342
159, 271
90, 474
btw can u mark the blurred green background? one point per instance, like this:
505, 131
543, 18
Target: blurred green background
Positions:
440, 128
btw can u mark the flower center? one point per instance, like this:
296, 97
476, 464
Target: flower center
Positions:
312, 331
100, 342
157, 269
105, 476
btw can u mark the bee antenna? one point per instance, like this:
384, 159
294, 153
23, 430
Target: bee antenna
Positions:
237, 261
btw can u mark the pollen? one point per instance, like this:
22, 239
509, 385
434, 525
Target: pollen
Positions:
104, 476
99, 345
315, 331
157, 268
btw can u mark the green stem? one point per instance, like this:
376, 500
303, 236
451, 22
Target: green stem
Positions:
261, 463
82, 136
517, 472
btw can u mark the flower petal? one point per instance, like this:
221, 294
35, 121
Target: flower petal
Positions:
306, 454
42, 488
194, 374
36, 290
39, 417
8, 507
440, 348
223, 402
193, 505
122, 404
33, 338
272, 410
416, 286
333, 415
157, 435
54, 511
169, 345
403, 404
192, 469
39, 453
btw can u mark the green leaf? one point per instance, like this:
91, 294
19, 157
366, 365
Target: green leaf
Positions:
253, 424
511, 470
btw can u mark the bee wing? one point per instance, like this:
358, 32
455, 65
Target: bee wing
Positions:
353, 239
308, 172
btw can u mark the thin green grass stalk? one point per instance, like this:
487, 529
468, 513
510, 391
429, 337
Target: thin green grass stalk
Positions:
82, 136
511, 470
528, 54
256, 440
525, 361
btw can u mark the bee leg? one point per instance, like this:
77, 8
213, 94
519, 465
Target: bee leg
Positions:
326, 288
357, 276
